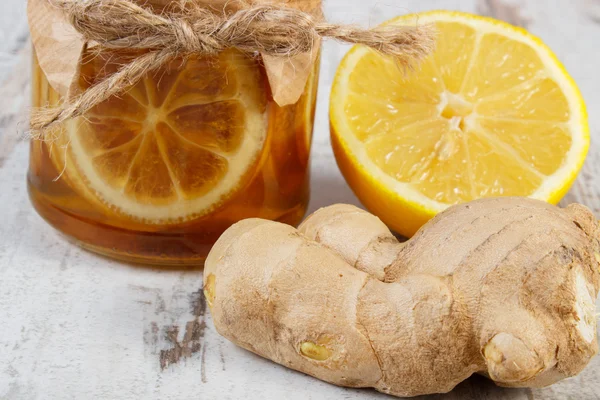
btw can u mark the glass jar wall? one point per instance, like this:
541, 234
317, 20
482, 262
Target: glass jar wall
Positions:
156, 174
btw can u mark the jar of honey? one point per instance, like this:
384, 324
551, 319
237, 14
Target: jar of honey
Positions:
157, 173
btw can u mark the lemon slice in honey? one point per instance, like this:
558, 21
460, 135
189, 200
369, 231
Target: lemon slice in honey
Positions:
177, 144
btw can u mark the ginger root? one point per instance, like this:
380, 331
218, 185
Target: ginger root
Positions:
502, 287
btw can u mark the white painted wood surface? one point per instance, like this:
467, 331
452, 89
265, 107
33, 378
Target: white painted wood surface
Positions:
77, 326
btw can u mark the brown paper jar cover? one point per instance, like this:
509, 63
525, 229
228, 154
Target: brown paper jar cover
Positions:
59, 48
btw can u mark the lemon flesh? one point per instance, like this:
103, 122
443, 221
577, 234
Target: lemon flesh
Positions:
491, 112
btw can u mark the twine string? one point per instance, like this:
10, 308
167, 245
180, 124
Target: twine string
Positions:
190, 28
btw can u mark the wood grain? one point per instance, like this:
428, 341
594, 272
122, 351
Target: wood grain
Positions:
76, 326
14, 100
499, 9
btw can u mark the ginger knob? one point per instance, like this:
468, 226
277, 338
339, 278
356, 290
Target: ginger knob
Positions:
503, 287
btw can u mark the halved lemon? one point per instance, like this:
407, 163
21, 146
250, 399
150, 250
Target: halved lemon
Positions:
491, 112
174, 146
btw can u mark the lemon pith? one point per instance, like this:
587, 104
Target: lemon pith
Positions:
491, 112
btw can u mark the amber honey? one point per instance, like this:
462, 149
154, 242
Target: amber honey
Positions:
156, 174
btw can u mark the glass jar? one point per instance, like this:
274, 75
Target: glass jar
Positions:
155, 175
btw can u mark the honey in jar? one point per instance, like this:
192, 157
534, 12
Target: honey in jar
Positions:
157, 173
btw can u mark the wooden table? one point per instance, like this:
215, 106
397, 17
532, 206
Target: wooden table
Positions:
74, 325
